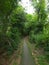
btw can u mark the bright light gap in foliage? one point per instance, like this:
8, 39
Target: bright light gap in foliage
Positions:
28, 7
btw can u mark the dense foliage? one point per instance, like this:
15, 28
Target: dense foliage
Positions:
15, 24
12, 17
40, 32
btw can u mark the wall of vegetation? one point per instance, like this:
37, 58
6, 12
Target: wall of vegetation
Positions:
39, 34
12, 18
15, 23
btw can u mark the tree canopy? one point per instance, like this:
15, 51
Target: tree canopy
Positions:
15, 24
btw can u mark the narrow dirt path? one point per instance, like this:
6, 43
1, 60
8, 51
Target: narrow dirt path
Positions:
26, 56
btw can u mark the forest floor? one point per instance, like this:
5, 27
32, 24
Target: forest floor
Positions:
27, 54
38, 54
13, 59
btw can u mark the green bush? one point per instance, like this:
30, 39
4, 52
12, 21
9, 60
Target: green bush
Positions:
40, 39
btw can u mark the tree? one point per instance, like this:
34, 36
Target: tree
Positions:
6, 10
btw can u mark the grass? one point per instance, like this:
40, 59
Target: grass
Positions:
16, 60
39, 58
14, 63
